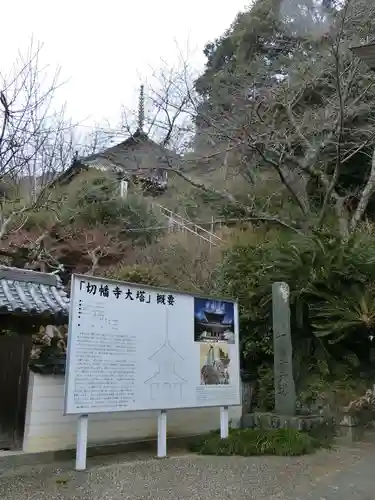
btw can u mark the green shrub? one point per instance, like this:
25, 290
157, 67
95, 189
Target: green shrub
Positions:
332, 285
140, 274
41, 219
251, 442
98, 202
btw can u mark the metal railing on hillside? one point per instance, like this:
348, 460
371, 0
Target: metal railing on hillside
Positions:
178, 223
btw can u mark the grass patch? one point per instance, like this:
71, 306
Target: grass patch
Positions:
251, 442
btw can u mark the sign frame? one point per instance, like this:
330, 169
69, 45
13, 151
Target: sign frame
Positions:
162, 410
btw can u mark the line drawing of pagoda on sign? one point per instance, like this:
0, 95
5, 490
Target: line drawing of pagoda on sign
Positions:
166, 382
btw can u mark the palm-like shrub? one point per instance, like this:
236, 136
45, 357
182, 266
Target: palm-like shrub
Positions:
350, 315
332, 284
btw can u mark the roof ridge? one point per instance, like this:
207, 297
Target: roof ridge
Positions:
30, 275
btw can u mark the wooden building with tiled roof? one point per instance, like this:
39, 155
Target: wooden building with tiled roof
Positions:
137, 159
30, 302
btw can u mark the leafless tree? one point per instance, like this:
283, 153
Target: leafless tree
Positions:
30, 127
35, 145
168, 107
92, 140
270, 125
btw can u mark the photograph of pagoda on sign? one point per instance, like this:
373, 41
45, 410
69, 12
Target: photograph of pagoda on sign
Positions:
166, 382
213, 321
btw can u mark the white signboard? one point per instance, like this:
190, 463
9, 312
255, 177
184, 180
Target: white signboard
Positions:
133, 347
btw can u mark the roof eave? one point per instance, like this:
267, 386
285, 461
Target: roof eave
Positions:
44, 316
25, 292
366, 53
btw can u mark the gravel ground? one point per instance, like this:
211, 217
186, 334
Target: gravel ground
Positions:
346, 473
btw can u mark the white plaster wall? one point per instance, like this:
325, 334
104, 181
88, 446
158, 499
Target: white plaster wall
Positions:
47, 429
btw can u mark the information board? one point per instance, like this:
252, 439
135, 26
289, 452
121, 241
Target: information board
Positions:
133, 347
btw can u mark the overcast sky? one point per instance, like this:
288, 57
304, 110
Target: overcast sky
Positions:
105, 47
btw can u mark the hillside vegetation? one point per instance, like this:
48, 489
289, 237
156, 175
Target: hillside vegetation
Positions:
284, 150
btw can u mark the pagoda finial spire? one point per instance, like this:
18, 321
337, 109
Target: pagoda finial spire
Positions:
141, 109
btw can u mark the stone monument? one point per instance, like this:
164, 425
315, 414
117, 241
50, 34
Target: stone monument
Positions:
284, 415
285, 392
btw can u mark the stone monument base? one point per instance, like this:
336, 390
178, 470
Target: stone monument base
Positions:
260, 420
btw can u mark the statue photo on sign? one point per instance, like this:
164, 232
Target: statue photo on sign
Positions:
214, 363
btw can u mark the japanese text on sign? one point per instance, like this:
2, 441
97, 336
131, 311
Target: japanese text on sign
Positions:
127, 294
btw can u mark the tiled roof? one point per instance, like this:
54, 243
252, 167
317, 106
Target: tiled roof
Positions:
137, 155
22, 290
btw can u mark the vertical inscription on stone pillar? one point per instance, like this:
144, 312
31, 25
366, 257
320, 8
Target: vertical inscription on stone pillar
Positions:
285, 393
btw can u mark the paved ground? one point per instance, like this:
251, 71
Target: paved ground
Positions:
347, 473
